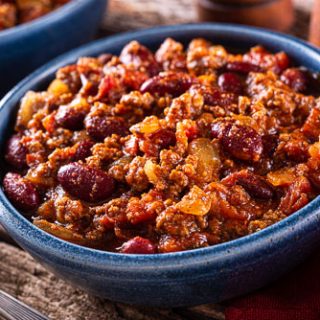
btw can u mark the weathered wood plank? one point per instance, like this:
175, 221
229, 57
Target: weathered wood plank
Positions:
27, 280
137, 14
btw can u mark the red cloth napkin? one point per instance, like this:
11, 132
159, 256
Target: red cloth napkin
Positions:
296, 296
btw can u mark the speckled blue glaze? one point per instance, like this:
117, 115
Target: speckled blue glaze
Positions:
178, 279
28, 46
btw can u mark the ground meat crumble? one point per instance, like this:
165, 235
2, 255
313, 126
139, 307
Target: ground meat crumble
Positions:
167, 151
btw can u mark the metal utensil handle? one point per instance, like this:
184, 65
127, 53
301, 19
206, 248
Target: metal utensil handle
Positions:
14, 309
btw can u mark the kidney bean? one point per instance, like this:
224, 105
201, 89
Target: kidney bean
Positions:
255, 185
295, 78
259, 56
172, 83
140, 57
242, 142
171, 56
213, 96
21, 192
230, 82
105, 58
163, 138
83, 150
70, 118
270, 143
86, 183
220, 128
138, 245
16, 152
101, 126
243, 67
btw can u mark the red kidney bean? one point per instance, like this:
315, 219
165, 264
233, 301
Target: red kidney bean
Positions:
100, 127
83, 150
86, 183
15, 153
105, 58
21, 192
242, 142
170, 83
70, 118
270, 143
140, 57
259, 56
220, 128
138, 245
163, 138
213, 96
243, 67
296, 79
255, 185
230, 82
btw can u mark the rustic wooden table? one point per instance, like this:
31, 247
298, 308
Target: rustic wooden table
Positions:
24, 278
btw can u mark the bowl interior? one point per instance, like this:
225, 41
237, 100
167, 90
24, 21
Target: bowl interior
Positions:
238, 38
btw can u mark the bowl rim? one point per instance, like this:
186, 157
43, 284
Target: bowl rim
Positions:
11, 219
43, 21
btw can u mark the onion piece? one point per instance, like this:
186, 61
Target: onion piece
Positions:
150, 171
61, 232
148, 125
209, 159
57, 87
282, 177
196, 202
30, 103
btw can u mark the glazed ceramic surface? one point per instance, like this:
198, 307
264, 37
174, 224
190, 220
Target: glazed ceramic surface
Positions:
187, 278
26, 47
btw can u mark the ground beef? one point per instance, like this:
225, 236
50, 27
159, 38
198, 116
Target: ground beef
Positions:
166, 151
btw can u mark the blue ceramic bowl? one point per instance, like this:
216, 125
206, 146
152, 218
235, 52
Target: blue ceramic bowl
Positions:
27, 46
187, 278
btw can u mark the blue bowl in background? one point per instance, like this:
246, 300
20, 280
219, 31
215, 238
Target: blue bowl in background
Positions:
27, 46
187, 278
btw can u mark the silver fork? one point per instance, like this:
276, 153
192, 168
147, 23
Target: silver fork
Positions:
13, 309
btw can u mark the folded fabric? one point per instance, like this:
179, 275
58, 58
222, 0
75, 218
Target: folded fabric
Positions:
296, 296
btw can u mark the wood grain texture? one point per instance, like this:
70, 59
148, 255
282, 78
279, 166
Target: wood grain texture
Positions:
27, 280
137, 14
124, 15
